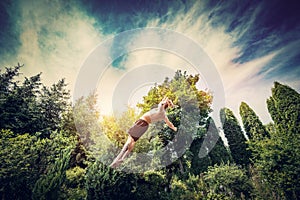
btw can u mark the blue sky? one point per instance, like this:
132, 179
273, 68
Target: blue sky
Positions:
252, 43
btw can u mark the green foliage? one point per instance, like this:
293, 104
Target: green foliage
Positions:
190, 115
116, 127
151, 185
228, 180
219, 182
262, 189
53, 104
277, 157
192, 111
45, 145
48, 185
284, 107
18, 102
41, 122
183, 92
103, 182
236, 139
79, 155
75, 177
198, 165
217, 154
18, 167
73, 186
7, 82
253, 126
86, 119
25, 158
191, 188
31, 107
53, 146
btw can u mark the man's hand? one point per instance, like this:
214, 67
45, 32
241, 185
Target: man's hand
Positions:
175, 129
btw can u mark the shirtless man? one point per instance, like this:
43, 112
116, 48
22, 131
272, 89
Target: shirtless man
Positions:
141, 126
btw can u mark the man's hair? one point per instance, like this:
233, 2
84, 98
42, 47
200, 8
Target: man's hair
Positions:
168, 104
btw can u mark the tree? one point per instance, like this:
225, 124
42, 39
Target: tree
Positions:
36, 125
284, 107
18, 102
116, 126
74, 185
236, 139
279, 156
190, 116
193, 105
216, 151
151, 185
53, 104
198, 165
219, 153
7, 82
31, 107
86, 119
252, 125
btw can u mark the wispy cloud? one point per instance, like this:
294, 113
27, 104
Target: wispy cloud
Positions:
55, 37
243, 63
250, 45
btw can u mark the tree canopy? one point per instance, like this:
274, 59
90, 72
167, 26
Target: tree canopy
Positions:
52, 148
30, 106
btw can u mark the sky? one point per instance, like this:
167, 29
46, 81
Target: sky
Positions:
250, 43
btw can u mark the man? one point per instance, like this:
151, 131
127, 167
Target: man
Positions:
141, 126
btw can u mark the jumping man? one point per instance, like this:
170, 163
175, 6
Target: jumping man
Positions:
141, 126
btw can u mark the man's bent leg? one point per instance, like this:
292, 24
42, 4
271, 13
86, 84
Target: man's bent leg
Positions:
130, 148
125, 148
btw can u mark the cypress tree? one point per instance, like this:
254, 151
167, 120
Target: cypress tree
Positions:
252, 125
284, 107
219, 153
236, 139
208, 150
280, 159
198, 164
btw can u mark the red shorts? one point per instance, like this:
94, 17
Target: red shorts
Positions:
138, 129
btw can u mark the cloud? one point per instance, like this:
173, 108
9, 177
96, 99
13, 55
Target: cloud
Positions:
243, 84
244, 75
55, 38
250, 77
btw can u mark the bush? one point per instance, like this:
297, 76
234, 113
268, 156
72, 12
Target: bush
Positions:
191, 188
151, 185
103, 182
228, 180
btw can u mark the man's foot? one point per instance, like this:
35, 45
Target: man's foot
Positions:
113, 165
116, 163
119, 162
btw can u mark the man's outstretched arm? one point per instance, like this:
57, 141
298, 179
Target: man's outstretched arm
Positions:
170, 124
